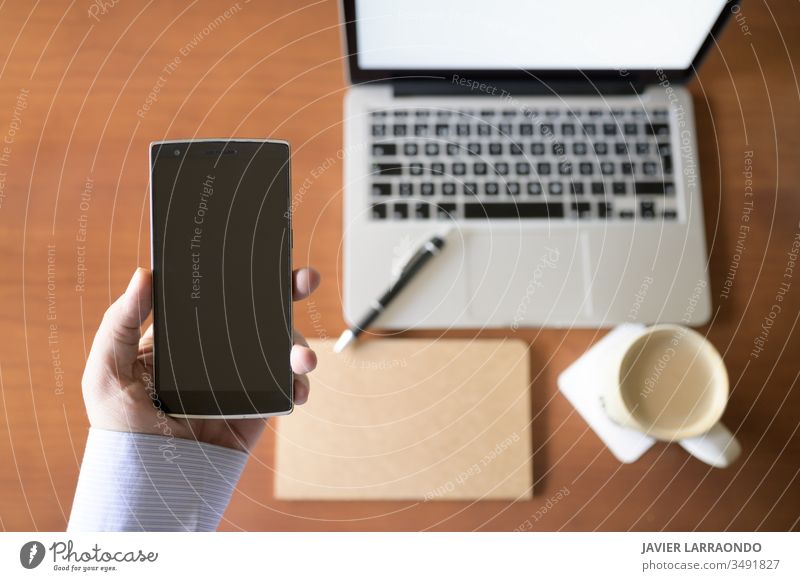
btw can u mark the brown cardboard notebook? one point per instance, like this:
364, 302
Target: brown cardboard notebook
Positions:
413, 419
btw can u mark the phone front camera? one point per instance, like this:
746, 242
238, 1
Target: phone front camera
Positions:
176, 153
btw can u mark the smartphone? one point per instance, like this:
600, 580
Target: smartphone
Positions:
221, 241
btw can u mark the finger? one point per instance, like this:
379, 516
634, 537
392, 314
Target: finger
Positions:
304, 282
120, 331
302, 389
303, 359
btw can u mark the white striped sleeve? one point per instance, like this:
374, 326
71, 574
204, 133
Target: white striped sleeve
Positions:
144, 482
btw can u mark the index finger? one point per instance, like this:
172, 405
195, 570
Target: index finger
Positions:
304, 282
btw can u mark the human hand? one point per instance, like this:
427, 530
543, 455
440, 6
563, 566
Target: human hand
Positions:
117, 380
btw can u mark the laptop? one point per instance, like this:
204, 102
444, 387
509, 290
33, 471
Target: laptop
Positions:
553, 142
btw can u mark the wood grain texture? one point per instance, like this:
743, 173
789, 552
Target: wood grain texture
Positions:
73, 92
411, 419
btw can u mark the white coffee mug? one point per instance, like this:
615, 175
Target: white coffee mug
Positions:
671, 383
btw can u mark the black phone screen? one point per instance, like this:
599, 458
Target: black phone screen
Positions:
221, 257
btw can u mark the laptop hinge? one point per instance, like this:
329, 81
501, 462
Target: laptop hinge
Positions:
457, 85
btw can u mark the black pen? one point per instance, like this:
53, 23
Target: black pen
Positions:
427, 251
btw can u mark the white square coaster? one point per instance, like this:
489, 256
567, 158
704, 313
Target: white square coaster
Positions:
582, 385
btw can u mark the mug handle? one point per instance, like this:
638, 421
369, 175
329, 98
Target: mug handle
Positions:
717, 447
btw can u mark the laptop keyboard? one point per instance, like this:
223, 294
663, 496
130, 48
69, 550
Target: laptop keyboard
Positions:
565, 164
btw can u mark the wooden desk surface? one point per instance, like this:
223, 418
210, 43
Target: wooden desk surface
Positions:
73, 92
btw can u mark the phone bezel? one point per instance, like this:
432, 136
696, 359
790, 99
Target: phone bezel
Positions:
197, 403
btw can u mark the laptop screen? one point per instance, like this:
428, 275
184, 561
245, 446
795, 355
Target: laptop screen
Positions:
540, 35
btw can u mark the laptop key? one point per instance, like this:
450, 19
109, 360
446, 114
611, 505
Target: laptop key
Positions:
422, 211
658, 188
576, 188
543, 168
534, 189
437, 168
388, 169
581, 209
474, 148
384, 149
378, 130
495, 149
647, 210
501, 168
479, 169
381, 189
523, 168
514, 210
670, 214
516, 149
619, 188
537, 148
603, 209
448, 189
512, 188
426, 189
555, 188
657, 129
626, 214
416, 169
586, 168
431, 149
649, 168
399, 130
491, 189
453, 149
406, 189
410, 149
459, 169
379, 211
400, 211
598, 188
470, 189
445, 211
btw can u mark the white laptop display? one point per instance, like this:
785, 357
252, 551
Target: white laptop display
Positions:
554, 140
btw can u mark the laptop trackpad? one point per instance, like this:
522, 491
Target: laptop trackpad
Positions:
529, 279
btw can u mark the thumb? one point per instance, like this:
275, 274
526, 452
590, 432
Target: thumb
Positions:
118, 337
